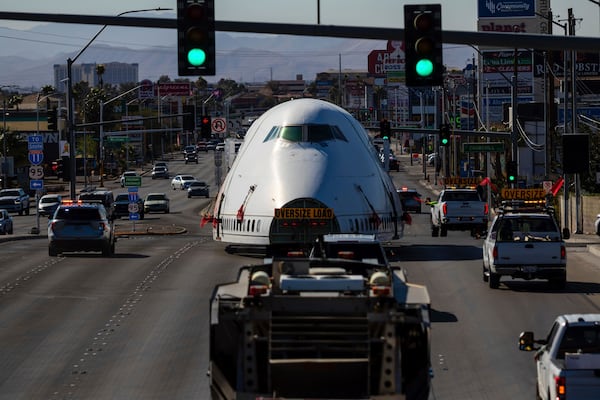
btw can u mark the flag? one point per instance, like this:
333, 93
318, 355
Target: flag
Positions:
205, 219
240, 214
557, 185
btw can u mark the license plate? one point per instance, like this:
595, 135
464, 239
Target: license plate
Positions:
529, 269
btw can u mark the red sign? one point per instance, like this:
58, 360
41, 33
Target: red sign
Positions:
377, 59
173, 89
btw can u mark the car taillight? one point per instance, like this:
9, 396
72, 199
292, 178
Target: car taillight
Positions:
381, 291
560, 383
257, 290
485, 209
495, 252
103, 226
259, 283
445, 208
380, 284
563, 252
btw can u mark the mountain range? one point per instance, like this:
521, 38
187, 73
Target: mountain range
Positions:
241, 57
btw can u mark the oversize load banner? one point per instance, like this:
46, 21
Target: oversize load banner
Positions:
304, 213
523, 194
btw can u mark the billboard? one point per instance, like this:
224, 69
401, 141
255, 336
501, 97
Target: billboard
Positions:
506, 8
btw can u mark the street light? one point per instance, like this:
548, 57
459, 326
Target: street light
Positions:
102, 104
4, 165
4, 158
70, 105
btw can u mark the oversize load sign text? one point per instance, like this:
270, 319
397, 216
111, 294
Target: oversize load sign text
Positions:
523, 194
303, 213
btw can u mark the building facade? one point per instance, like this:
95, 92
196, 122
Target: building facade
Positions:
115, 73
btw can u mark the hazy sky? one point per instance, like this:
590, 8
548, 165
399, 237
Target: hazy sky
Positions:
459, 15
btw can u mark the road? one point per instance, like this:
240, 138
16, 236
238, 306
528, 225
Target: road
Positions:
136, 325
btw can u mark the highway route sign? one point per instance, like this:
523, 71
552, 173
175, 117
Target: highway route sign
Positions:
133, 208
36, 172
133, 181
35, 142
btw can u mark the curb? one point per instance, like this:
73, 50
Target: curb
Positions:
594, 249
152, 230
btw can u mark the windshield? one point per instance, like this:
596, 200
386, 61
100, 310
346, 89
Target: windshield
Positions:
9, 193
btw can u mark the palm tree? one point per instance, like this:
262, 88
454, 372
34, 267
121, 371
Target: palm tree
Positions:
15, 100
100, 68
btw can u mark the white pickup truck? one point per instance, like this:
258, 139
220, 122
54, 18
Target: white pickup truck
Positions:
525, 244
568, 362
458, 210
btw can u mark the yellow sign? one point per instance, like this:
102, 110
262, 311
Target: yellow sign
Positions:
304, 213
458, 181
523, 194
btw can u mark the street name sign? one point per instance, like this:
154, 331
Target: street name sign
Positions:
483, 147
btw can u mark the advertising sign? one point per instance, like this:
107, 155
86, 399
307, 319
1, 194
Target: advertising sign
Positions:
379, 61
506, 8
512, 25
173, 89
586, 64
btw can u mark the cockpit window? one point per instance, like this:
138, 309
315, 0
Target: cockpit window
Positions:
291, 133
306, 133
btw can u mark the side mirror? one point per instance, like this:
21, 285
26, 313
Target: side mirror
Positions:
566, 233
526, 341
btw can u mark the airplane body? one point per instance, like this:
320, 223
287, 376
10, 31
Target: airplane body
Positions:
306, 168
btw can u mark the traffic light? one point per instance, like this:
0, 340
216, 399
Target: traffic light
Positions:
205, 127
196, 37
52, 120
512, 171
444, 135
60, 168
189, 118
423, 45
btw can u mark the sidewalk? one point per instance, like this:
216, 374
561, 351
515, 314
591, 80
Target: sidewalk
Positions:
590, 241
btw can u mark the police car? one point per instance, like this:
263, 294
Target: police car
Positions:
79, 226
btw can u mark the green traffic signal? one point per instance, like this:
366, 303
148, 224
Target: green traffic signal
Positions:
196, 37
196, 57
424, 67
512, 170
444, 141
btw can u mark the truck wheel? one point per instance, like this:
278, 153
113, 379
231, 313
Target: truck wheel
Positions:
443, 230
27, 210
21, 211
558, 283
435, 231
108, 250
494, 280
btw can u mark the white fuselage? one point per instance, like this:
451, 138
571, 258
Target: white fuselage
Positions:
288, 159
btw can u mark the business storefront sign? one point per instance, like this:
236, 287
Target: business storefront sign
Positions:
506, 8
